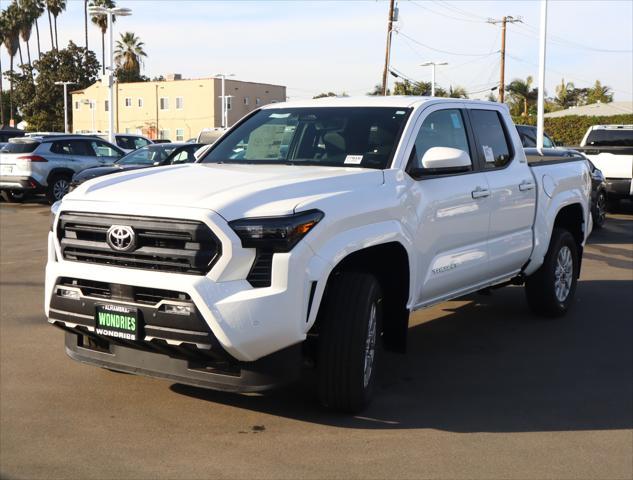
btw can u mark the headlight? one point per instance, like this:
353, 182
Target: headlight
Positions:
279, 234
54, 209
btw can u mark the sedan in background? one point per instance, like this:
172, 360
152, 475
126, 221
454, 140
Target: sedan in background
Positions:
153, 155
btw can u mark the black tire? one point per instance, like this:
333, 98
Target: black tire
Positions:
12, 196
541, 287
58, 186
345, 318
599, 211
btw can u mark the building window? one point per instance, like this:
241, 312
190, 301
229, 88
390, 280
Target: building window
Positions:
163, 134
180, 134
106, 105
229, 102
140, 103
180, 103
128, 101
258, 101
164, 103
245, 100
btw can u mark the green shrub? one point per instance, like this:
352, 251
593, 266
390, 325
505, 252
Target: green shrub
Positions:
570, 130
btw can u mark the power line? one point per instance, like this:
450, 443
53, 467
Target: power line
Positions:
443, 51
458, 10
443, 14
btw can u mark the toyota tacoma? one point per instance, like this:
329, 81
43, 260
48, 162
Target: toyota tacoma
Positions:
304, 238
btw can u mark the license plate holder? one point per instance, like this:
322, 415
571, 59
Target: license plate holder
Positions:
6, 169
117, 321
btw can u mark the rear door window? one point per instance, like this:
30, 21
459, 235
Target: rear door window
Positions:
102, 149
493, 145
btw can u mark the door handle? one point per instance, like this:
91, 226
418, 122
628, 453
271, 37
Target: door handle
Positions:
480, 193
526, 185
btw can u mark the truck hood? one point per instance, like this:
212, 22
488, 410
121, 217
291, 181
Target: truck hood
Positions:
233, 191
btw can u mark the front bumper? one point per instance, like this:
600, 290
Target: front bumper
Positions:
247, 323
619, 187
268, 372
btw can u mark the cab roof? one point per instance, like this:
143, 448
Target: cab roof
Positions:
394, 101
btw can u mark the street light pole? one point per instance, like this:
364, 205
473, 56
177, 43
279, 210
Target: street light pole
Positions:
433, 65
541, 75
225, 114
110, 13
65, 84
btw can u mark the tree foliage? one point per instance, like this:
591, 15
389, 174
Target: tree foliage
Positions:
41, 101
330, 94
129, 53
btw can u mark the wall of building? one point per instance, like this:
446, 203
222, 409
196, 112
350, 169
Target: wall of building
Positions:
177, 110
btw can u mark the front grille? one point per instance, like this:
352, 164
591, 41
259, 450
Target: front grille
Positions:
163, 244
261, 271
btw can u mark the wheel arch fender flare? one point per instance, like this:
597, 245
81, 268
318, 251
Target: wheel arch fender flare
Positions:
341, 247
68, 172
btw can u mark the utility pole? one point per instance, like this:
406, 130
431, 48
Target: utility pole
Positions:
388, 50
504, 21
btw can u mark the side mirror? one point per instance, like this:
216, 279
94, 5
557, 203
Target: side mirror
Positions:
446, 157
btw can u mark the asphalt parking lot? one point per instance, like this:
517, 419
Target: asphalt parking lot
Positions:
486, 391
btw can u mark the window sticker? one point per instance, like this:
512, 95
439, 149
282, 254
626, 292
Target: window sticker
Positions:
353, 159
279, 115
456, 120
489, 154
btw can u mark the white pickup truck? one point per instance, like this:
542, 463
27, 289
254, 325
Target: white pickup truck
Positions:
304, 238
610, 148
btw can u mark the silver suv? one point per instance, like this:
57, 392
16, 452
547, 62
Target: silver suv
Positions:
46, 164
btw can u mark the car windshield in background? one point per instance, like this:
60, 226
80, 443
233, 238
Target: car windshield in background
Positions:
20, 147
327, 136
610, 138
147, 155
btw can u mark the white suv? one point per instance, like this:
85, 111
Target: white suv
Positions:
46, 164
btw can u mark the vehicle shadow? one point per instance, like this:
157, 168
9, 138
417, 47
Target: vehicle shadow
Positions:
487, 364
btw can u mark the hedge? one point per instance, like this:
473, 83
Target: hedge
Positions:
569, 130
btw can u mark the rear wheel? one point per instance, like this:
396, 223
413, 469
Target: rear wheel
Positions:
551, 289
57, 187
14, 196
350, 343
599, 211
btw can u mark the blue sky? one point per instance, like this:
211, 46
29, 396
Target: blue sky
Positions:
339, 45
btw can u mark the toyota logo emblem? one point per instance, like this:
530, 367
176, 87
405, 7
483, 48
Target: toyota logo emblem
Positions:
121, 238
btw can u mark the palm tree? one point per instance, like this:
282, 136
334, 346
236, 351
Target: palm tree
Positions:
38, 7
1, 89
564, 93
11, 41
28, 15
86, 22
55, 8
129, 53
101, 21
457, 92
522, 91
599, 93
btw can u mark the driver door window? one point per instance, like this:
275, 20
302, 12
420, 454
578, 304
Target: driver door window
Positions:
442, 128
102, 149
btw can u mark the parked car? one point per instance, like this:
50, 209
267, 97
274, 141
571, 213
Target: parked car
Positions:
46, 164
128, 142
210, 135
527, 133
610, 148
148, 156
598, 184
305, 236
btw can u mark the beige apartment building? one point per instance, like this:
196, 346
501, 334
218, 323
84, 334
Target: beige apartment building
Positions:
176, 109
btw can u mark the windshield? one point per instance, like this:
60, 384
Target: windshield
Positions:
610, 138
327, 136
147, 155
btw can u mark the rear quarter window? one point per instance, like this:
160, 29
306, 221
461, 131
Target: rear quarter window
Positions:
20, 147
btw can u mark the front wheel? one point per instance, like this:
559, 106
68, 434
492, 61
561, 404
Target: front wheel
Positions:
350, 343
15, 196
550, 291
